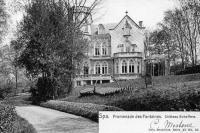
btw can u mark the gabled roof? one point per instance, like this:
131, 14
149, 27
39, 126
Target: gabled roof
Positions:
127, 18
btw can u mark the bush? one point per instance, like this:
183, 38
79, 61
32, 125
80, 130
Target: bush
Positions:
167, 93
10, 122
46, 89
189, 101
7, 90
87, 110
189, 70
22, 126
7, 118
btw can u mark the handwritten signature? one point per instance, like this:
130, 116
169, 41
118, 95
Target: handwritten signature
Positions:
155, 124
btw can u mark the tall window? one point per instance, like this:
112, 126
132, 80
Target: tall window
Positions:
85, 68
117, 67
128, 49
104, 49
138, 67
131, 66
98, 68
78, 83
105, 68
124, 67
97, 49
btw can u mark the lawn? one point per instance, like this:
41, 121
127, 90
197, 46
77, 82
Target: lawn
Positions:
170, 93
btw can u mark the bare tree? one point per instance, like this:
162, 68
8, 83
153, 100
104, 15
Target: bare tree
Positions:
191, 16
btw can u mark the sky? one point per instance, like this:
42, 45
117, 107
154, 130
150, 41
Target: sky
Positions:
149, 11
112, 11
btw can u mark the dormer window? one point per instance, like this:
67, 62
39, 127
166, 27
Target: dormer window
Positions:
127, 29
101, 29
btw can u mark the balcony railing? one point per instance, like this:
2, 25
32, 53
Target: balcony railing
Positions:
128, 54
107, 76
93, 76
127, 74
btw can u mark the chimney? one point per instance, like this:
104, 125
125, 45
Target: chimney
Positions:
140, 23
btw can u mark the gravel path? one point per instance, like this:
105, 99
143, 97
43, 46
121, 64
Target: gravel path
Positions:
51, 121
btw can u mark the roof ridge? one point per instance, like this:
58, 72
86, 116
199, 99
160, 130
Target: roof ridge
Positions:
130, 19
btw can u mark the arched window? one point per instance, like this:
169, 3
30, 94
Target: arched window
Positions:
104, 49
97, 49
105, 68
131, 66
124, 66
98, 68
85, 68
138, 67
116, 67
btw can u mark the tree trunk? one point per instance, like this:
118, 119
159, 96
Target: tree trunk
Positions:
16, 78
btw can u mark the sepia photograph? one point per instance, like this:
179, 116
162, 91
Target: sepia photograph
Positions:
99, 66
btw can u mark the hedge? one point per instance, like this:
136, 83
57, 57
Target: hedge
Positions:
10, 122
87, 110
189, 70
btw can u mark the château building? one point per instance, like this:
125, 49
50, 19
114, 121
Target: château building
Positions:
116, 52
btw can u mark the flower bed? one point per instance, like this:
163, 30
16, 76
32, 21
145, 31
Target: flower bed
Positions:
87, 110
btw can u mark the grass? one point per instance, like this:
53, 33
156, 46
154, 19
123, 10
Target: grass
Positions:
22, 99
111, 88
87, 110
167, 94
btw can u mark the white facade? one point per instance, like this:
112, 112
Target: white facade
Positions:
116, 53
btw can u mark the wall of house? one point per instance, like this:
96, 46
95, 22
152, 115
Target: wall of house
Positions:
100, 39
137, 36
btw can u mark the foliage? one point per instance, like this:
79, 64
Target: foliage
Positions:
23, 126
3, 19
11, 123
8, 116
87, 110
46, 89
50, 41
7, 90
167, 93
156, 102
9, 70
189, 70
178, 34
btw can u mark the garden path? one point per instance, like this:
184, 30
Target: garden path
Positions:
51, 121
